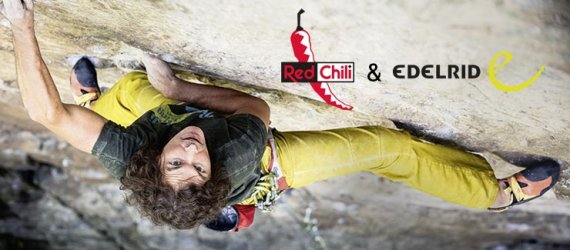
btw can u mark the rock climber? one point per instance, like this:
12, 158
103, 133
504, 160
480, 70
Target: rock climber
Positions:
191, 154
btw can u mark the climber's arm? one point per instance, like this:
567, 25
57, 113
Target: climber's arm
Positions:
74, 124
222, 100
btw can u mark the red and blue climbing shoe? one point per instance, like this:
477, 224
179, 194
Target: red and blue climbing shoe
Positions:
83, 83
531, 183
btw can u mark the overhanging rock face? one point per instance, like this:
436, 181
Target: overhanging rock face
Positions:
245, 45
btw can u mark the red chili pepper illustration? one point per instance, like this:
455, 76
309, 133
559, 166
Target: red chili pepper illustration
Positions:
301, 42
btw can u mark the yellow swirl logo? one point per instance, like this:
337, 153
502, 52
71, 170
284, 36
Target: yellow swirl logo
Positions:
493, 69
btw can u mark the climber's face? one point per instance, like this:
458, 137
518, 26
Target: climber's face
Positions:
185, 160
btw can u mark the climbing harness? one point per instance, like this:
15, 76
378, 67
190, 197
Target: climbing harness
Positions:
272, 184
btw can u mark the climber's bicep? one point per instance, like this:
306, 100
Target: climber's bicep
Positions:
78, 126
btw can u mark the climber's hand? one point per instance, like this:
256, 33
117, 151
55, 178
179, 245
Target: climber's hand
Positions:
160, 75
20, 13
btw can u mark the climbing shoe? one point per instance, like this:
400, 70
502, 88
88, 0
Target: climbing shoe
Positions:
227, 220
531, 183
83, 83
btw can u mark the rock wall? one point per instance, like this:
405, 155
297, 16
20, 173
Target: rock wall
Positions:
54, 196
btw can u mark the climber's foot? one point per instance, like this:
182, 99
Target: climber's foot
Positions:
83, 82
531, 183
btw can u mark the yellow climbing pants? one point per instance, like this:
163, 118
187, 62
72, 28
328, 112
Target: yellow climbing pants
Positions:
129, 98
310, 156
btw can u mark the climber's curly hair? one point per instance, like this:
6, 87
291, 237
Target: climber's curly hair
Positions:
182, 209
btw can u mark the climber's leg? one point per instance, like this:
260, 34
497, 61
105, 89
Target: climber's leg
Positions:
453, 175
129, 98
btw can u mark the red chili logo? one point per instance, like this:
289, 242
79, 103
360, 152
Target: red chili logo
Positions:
301, 42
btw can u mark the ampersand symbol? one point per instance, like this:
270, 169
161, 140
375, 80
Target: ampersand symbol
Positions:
372, 75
